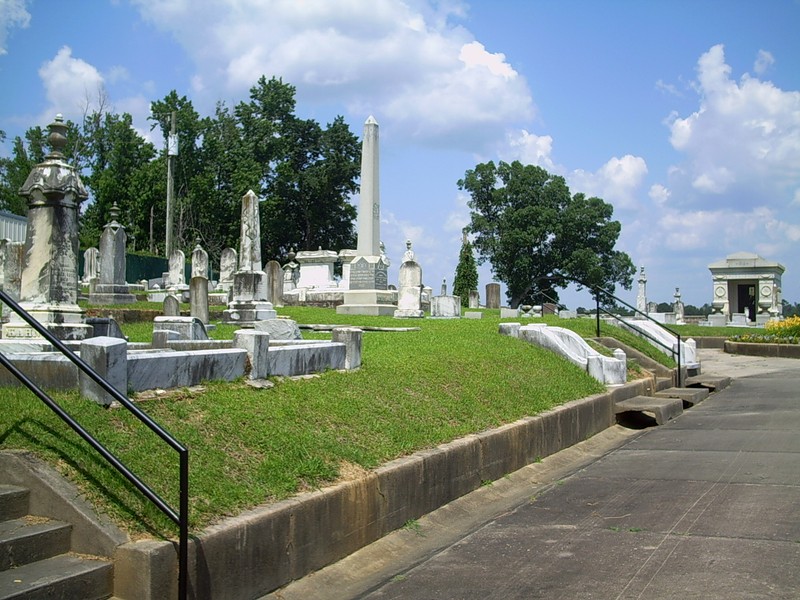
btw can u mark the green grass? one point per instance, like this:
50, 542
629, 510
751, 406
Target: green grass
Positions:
251, 446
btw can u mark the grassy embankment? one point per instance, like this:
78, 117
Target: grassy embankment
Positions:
249, 446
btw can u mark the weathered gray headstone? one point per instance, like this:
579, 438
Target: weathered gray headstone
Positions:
446, 307
199, 261
177, 271
279, 329
474, 299
91, 264
492, 295
227, 267
249, 294
198, 298
49, 282
274, 282
172, 307
111, 287
409, 296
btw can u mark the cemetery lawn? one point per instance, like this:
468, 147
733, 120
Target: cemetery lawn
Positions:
250, 446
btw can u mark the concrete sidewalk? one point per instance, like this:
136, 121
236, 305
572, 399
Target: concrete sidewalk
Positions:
707, 506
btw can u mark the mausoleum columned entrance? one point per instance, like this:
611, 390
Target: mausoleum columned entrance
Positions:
748, 285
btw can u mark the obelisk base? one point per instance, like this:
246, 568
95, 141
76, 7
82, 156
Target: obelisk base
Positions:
368, 302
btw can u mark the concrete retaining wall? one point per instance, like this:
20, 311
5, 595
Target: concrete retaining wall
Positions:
263, 549
768, 350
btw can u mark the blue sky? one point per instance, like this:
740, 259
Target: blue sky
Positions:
683, 114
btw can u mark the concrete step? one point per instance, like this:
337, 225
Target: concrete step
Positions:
29, 539
64, 576
13, 502
714, 383
689, 396
661, 409
663, 383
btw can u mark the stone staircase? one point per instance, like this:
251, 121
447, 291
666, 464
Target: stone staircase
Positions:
35, 557
668, 403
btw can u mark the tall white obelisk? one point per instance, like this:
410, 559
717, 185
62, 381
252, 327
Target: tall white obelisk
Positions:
369, 208
369, 293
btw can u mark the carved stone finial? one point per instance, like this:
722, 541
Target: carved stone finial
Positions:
57, 137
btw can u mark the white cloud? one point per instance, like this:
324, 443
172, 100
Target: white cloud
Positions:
659, 194
668, 88
71, 85
13, 13
617, 181
743, 141
529, 149
405, 62
764, 61
117, 73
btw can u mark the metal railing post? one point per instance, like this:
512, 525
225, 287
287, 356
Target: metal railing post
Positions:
180, 518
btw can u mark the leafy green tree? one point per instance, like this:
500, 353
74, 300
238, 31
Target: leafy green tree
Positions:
466, 279
116, 157
537, 236
306, 173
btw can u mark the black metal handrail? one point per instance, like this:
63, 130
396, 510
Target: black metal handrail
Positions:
597, 290
181, 517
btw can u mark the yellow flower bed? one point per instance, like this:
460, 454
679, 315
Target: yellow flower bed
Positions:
789, 327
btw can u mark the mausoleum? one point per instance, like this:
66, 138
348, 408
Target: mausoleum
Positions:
747, 287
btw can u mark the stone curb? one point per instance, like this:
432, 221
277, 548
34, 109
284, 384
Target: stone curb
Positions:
766, 350
265, 548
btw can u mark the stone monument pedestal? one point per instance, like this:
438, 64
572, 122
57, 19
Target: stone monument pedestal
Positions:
64, 321
249, 304
111, 293
368, 293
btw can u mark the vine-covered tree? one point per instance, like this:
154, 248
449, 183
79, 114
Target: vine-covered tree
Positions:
537, 236
466, 279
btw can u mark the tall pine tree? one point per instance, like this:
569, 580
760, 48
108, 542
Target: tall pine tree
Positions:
466, 279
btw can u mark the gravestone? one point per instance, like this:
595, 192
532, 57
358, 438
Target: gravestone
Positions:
409, 297
493, 295
227, 267
291, 272
49, 281
111, 287
91, 264
677, 308
249, 294
172, 306
199, 261
198, 298
446, 307
274, 282
198, 284
368, 292
641, 295
474, 299
177, 271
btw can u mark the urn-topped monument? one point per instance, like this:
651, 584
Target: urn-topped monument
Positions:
49, 285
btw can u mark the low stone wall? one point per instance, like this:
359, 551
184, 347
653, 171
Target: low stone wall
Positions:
767, 350
265, 548
715, 342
